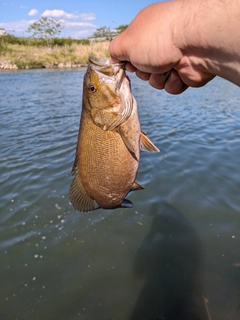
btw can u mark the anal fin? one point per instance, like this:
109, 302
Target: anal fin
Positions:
79, 198
146, 144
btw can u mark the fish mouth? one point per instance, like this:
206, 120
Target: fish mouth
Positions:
109, 72
99, 63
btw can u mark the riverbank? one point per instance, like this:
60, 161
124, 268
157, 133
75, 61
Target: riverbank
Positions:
16, 56
9, 65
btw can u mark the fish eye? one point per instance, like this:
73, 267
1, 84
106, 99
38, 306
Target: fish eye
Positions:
91, 88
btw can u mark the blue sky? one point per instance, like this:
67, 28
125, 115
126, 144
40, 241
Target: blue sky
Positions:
79, 18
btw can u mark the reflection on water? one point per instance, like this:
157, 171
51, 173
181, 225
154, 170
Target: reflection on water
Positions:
170, 262
175, 255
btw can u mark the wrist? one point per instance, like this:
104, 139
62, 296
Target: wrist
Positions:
206, 35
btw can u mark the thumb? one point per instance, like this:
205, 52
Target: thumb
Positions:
117, 49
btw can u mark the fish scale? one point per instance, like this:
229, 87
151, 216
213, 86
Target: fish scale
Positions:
107, 150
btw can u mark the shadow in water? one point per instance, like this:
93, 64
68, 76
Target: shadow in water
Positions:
169, 260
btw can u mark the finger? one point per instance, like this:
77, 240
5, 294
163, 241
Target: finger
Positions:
143, 75
196, 78
158, 81
174, 83
114, 60
117, 48
191, 74
129, 67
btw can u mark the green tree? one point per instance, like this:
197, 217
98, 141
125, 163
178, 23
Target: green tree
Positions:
121, 28
46, 28
102, 32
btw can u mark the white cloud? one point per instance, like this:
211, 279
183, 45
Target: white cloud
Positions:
33, 12
75, 25
59, 14
77, 29
87, 16
73, 29
17, 28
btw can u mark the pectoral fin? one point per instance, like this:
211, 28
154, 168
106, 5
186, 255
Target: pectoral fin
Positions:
79, 198
146, 144
126, 139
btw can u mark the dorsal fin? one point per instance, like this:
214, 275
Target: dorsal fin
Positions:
146, 144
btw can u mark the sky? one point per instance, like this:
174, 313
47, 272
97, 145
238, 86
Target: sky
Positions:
79, 18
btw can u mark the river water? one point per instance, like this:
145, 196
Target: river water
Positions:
175, 255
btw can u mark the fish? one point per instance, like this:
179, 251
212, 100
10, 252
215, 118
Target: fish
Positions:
109, 140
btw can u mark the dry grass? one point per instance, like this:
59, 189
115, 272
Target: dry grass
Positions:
33, 57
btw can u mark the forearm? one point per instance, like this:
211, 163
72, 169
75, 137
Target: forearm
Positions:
208, 35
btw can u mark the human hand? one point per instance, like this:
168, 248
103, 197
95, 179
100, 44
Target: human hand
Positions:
153, 46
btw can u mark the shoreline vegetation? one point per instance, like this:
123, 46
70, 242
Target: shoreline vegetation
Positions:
23, 53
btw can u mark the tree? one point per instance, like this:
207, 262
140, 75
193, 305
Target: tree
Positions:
121, 28
46, 28
107, 33
102, 32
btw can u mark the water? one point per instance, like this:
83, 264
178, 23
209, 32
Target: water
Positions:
175, 255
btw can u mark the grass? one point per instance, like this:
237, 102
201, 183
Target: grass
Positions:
27, 56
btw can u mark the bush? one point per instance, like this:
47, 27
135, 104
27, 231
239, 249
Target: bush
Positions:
39, 42
83, 41
30, 64
10, 39
58, 42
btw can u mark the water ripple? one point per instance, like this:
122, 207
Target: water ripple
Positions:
45, 243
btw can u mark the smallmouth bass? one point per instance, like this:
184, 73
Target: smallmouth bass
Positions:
109, 140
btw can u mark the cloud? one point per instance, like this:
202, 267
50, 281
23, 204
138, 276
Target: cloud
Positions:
87, 16
59, 14
33, 12
75, 25
75, 29
17, 28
